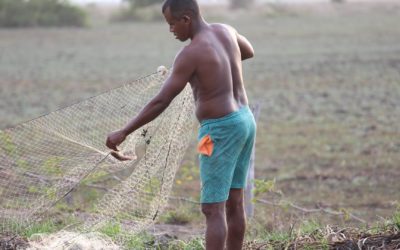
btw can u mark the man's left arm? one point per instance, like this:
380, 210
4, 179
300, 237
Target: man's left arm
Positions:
181, 72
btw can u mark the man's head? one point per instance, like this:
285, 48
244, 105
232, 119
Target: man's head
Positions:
180, 15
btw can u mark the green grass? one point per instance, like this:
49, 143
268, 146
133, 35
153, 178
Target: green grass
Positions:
144, 240
111, 229
141, 241
27, 229
177, 217
193, 244
41, 228
396, 218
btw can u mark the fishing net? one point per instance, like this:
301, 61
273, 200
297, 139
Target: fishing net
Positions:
59, 164
64, 240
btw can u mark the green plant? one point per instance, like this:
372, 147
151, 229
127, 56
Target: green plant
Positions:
64, 207
193, 244
309, 227
22, 164
33, 189
21, 13
52, 166
263, 186
95, 177
139, 241
51, 193
396, 218
40, 228
90, 195
5, 139
141, 3
142, 14
111, 229
176, 217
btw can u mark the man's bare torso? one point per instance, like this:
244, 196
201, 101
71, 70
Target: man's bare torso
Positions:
217, 82
212, 63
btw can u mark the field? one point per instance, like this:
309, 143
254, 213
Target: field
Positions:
327, 78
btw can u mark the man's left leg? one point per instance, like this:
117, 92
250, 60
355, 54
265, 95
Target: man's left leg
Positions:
236, 219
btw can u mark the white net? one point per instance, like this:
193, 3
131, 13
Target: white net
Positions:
59, 162
64, 240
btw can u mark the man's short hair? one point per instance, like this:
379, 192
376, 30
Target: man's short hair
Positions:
181, 7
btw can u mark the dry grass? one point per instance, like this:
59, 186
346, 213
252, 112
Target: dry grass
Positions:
335, 238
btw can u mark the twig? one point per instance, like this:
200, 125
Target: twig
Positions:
314, 210
184, 199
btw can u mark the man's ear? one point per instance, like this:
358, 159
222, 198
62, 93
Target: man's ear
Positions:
186, 18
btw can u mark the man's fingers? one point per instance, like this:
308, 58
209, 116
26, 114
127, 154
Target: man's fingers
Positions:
111, 145
120, 157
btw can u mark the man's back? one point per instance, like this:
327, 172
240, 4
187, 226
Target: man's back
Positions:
217, 82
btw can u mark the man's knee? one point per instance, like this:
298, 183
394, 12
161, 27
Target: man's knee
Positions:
213, 209
235, 201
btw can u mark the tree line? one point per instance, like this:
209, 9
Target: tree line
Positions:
30, 13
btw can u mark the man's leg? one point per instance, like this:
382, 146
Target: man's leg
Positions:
236, 219
216, 225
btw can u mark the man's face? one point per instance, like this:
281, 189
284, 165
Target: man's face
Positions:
180, 27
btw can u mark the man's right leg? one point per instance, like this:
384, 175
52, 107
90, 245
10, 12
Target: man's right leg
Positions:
216, 225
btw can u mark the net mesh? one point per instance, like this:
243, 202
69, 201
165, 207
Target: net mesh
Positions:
59, 161
64, 240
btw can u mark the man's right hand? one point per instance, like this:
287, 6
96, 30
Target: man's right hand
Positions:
121, 157
115, 138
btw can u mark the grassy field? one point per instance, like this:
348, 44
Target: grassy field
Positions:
327, 78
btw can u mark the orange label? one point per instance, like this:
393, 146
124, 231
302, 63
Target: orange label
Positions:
205, 146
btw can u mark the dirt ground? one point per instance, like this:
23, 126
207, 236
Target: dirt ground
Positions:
12, 242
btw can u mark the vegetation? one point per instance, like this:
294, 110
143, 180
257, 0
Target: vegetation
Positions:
177, 217
327, 134
141, 3
21, 13
236, 4
139, 10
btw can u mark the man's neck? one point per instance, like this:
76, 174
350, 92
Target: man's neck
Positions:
199, 25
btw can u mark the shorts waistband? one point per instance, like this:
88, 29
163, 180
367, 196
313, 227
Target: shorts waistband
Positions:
243, 109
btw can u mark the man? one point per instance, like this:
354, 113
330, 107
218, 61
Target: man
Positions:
211, 63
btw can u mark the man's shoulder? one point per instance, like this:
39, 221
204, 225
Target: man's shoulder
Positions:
187, 50
222, 26
186, 53
192, 48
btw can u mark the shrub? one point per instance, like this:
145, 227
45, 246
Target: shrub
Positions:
140, 10
178, 217
23, 13
239, 4
142, 3
140, 14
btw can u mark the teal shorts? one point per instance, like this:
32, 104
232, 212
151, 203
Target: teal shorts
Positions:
229, 146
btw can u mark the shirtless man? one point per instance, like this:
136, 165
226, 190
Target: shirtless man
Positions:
212, 63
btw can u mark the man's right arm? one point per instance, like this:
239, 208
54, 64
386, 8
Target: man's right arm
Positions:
182, 70
246, 49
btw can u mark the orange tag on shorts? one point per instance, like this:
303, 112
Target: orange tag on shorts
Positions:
205, 146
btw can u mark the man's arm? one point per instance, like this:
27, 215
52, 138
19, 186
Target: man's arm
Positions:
246, 49
182, 70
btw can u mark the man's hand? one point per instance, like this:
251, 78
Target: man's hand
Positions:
121, 157
115, 138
